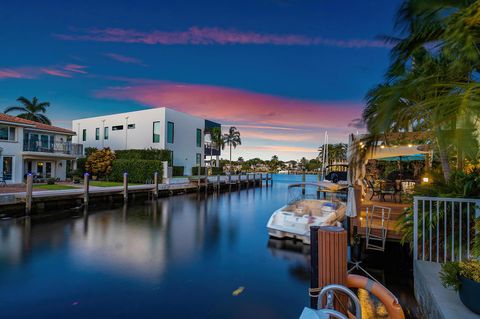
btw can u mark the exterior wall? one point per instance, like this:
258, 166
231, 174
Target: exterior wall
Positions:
141, 137
13, 149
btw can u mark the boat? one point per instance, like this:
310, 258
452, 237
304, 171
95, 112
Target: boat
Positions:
305, 209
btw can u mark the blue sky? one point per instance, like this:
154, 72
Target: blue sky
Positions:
282, 71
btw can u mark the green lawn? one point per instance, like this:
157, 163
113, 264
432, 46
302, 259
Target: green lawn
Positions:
108, 184
53, 187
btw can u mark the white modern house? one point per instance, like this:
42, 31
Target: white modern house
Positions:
30, 147
160, 128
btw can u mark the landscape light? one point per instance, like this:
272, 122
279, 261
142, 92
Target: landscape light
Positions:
425, 179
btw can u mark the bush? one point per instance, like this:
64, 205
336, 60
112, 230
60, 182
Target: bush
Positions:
217, 170
145, 154
449, 275
89, 151
195, 170
81, 165
178, 170
51, 181
99, 163
139, 171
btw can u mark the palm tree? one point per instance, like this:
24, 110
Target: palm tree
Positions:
232, 139
216, 139
31, 110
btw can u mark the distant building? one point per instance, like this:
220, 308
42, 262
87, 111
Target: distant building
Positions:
36, 148
160, 128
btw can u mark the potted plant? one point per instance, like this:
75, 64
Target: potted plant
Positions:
464, 277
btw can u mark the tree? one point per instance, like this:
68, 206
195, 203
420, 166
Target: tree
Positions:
30, 110
232, 139
273, 164
216, 139
99, 163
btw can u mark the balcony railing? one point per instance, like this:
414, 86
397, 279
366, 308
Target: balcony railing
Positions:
59, 148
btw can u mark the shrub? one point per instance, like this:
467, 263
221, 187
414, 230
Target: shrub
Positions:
89, 151
51, 181
217, 170
81, 165
99, 163
195, 170
178, 170
139, 171
469, 269
145, 154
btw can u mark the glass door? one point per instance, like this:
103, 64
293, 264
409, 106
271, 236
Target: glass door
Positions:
48, 169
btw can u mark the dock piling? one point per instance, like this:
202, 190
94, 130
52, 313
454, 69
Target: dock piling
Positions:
29, 194
86, 188
155, 183
125, 187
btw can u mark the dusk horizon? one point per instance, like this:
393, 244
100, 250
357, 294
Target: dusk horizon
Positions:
252, 65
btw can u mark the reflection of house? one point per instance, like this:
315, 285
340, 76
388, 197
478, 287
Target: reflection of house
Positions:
31, 147
159, 128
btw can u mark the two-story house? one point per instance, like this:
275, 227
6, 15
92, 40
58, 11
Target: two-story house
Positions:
30, 147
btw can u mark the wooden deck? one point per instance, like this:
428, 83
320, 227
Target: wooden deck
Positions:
396, 214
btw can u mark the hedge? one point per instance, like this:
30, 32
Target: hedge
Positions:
178, 170
217, 170
139, 171
195, 170
145, 154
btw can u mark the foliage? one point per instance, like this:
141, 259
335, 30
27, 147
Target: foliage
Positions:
51, 181
178, 171
139, 171
217, 170
99, 163
32, 110
449, 275
81, 165
232, 139
195, 170
145, 154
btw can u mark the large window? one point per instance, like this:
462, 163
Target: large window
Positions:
7, 168
7, 133
170, 132
84, 134
156, 132
105, 133
199, 159
97, 134
117, 128
131, 126
199, 137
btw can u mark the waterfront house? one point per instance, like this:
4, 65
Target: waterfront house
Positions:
159, 128
31, 147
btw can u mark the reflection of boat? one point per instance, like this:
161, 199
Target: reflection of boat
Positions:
302, 211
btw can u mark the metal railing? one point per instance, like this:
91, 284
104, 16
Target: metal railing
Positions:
444, 228
59, 147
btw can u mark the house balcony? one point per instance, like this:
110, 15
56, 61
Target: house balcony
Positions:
59, 149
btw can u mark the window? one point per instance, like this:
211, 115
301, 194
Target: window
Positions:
7, 168
131, 126
97, 134
84, 134
117, 128
170, 132
156, 132
44, 141
199, 137
105, 133
7, 133
199, 159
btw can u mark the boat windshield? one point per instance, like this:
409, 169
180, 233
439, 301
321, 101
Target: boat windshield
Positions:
318, 190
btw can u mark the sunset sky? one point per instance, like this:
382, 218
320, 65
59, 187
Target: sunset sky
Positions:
281, 71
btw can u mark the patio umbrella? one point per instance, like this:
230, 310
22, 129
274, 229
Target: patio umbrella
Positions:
407, 158
351, 202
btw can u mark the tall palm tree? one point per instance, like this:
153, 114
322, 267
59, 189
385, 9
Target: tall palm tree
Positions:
32, 110
232, 139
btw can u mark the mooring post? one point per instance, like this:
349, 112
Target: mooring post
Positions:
29, 194
86, 188
261, 179
198, 177
266, 180
303, 181
155, 183
125, 187
248, 181
229, 181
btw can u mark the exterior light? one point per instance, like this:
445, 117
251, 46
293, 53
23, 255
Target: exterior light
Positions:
410, 145
382, 146
425, 179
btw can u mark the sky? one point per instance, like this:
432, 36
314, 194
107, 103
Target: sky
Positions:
282, 71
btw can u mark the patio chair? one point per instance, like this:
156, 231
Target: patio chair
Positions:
376, 190
3, 182
377, 227
389, 188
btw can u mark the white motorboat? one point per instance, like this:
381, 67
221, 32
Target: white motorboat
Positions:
302, 211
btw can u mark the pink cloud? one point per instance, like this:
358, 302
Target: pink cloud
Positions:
209, 36
236, 106
276, 136
282, 149
124, 59
64, 71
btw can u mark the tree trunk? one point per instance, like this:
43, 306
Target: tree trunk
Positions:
230, 159
443, 154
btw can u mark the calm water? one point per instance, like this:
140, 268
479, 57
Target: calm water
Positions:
179, 257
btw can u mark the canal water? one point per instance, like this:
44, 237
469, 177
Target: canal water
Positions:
187, 256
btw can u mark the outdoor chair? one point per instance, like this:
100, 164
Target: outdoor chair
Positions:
389, 188
377, 227
3, 183
376, 190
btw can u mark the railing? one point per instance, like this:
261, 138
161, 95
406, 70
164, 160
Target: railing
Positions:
60, 147
444, 228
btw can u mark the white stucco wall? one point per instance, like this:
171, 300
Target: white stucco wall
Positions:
141, 137
13, 149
